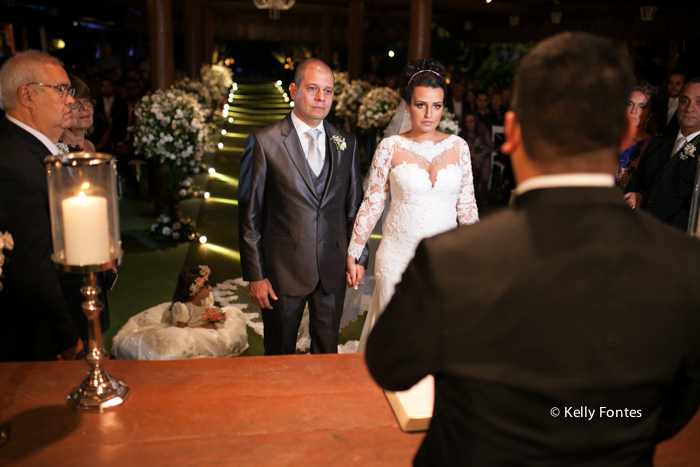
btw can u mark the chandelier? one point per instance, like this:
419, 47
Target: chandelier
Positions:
275, 6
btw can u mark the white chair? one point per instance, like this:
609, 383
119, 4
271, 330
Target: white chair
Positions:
495, 130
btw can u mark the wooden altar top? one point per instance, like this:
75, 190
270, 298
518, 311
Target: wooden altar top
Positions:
289, 410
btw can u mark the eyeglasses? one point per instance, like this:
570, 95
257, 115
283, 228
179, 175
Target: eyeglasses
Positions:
64, 89
88, 103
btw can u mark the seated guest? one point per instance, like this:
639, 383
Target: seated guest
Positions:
664, 180
639, 108
667, 123
484, 112
547, 344
497, 108
480, 146
457, 103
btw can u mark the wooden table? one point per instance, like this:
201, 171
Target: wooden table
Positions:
292, 410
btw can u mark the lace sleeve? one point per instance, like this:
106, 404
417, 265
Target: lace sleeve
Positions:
467, 212
374, 200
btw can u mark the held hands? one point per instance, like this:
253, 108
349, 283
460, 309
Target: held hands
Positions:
261, 292
355, 275
634, 200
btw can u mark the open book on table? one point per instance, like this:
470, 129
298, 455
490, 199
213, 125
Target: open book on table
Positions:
414, 407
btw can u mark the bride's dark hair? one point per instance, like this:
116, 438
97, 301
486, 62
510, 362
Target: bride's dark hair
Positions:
423, 72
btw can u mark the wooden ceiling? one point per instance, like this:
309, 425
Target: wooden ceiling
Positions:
387, 20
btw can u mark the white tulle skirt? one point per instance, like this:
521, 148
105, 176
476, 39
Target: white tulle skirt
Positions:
144, 337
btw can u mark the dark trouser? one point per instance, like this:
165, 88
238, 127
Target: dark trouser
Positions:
282, 322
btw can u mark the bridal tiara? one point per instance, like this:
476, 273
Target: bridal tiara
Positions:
423, 71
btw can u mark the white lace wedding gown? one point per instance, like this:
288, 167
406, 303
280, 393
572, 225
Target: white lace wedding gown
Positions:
153, 334
431, 189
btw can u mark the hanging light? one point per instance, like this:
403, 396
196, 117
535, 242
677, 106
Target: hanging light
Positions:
275, 6
648, 12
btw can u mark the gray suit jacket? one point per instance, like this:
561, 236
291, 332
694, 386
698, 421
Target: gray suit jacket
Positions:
287, 233
568, 300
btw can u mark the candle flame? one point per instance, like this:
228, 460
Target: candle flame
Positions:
85, 186
82, 199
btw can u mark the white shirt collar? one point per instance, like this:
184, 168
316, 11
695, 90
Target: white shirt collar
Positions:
302, 127
37, 134
687, 138
566, 180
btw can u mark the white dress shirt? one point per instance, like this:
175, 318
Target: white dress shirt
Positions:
688, 139
302, 128
53, 149
566, 180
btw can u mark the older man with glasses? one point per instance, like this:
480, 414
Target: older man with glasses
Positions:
37, 96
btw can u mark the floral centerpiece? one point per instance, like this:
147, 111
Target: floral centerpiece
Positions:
188, 190
218, 79
168, 229
199, 90
6, 243
377, 107
348, 102
171, 127
448, 123
340, 78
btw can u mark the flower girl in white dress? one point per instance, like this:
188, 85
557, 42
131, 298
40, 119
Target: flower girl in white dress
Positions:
429, 174
190, 327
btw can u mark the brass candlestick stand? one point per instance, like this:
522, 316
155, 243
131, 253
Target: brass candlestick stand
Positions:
85, 228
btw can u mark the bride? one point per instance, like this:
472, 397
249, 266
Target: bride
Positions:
430, 177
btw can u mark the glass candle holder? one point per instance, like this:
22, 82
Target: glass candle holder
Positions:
84, 211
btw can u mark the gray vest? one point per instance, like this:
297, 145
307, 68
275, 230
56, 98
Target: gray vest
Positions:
322, 178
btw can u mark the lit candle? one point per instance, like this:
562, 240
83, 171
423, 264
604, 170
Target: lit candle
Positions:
86, 230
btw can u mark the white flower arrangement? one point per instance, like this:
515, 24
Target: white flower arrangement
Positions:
349, 100
6, 243
341, 82
218, 79
377, 108
167, 229
63, 148
448, 123
171, 126
199, 90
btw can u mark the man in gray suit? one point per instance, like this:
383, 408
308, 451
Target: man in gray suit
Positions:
565, 330
300, 188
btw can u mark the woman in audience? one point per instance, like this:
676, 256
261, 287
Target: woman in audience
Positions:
477, 136
640, 107
75, 137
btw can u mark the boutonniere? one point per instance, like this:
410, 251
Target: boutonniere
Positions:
688, 150
339, 142
63, 148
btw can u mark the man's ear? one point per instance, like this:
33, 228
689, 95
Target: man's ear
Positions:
24, 97
293, 91
512, 132
628, 132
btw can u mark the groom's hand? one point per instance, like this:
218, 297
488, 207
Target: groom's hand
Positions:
355, 275
261, 292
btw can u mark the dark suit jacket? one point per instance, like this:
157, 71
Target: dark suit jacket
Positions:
666, 182
287, 234
670, 128
36, 322
568, 300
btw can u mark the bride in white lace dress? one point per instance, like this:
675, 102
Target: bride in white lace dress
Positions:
430, 177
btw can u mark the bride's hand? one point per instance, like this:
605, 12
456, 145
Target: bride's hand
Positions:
355, 273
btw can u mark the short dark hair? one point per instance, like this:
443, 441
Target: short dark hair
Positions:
570, 96
677, 72
82, 90
301, 69
427, 72
695, 80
